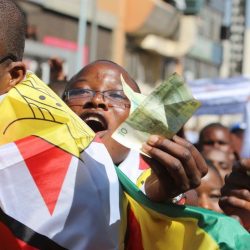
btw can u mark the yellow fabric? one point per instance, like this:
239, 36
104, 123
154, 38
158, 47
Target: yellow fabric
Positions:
32, 108
142, 178
162, 232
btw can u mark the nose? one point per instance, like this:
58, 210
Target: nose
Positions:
97, 101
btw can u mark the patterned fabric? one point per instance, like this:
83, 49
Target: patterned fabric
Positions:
50, 193
169, 226
135, 168
55, 193
32, 108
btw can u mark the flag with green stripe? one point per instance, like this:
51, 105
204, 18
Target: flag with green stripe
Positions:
169, 226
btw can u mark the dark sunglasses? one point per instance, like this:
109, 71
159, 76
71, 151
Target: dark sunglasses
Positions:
9, 56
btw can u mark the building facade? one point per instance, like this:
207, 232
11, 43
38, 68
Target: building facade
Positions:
205, 57
151, 39
236, 39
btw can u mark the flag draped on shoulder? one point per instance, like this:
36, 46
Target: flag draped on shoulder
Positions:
32, 108
169, 226
54, 190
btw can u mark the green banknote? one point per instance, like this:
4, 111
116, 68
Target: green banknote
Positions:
163, 112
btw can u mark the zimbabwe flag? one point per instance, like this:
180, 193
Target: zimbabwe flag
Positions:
169, 226
55, 193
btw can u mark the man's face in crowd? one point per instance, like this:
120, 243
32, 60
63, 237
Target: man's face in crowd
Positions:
221, 160
209, 191
106, 108
217, 137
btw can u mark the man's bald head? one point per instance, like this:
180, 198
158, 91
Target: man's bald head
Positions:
112, 65
13, 28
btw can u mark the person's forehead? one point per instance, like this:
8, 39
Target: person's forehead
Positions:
212, 178
217, 132
98, 75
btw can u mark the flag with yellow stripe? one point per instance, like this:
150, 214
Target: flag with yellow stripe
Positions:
168, 226
32, 108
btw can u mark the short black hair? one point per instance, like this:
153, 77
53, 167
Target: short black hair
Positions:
199, 144
13, 29
212, 125
71, 81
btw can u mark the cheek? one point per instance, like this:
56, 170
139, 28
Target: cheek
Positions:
123, 114
225, 148
76, 109
118, 116
3, 85
216, 207
207, 147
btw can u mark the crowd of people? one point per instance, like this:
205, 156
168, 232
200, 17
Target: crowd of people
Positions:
210, 174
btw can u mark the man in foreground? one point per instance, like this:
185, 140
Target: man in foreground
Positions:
95, 94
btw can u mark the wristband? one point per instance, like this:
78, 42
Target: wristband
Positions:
180, 199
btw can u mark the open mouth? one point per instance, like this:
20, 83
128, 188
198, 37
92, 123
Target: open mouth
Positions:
95, 121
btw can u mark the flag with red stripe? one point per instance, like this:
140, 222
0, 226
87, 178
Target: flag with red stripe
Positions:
48, 195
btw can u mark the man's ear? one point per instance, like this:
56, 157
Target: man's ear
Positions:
17, 73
